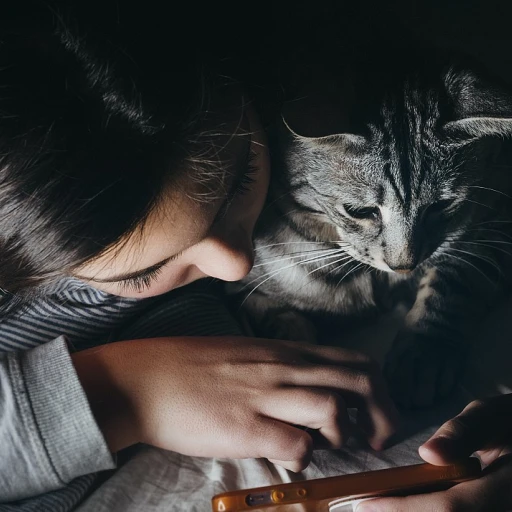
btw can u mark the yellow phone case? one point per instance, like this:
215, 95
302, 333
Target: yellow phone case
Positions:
336, 493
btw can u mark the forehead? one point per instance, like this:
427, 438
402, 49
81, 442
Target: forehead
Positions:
407, 151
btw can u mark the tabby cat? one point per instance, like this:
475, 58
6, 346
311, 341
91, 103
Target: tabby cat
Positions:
396, 187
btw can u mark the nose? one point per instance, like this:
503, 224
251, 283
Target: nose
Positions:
227, 256
404, 261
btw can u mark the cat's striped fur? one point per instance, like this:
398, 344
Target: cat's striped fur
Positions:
412, 193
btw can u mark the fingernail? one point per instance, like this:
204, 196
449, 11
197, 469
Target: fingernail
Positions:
367, 506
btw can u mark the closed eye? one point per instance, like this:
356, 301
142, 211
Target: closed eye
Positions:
141, 282
365, 213
439, 207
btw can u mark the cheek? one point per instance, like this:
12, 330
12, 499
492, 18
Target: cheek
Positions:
365, 247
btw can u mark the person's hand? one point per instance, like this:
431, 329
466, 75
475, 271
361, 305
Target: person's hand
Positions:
484, 427
234, 397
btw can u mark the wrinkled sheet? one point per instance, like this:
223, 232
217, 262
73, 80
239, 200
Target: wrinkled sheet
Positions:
155, 480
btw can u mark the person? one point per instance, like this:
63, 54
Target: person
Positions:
131, 167
484, 427
128, 175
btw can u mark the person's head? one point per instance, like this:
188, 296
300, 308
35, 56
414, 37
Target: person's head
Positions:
138, 169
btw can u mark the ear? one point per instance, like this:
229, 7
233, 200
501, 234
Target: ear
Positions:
482, 126
483, 107
346, 141
320, 115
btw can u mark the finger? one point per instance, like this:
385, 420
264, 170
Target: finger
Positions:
377, 415
319, 409
279, 442
419, 503
324, 354
489, 456
482, 425
490, 492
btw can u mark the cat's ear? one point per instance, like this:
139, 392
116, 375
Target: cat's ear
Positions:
346, 140
482, 108
319, 114
477, 127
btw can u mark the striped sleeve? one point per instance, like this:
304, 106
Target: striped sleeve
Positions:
48, 433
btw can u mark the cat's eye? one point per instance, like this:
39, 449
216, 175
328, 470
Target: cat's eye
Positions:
439, 207
368, 212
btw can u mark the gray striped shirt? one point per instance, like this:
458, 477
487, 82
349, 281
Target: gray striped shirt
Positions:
50, 445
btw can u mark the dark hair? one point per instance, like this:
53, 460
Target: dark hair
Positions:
101, 100
92, 118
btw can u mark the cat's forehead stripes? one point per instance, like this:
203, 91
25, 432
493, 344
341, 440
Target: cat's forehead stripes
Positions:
387, 169
408, 121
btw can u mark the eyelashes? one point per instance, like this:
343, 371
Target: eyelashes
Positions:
142, 282
248, 177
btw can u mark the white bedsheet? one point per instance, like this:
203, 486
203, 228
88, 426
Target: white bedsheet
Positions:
155, 480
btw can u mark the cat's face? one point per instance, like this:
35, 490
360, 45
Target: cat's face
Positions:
409, 181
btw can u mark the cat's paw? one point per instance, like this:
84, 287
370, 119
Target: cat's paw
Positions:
421, 370
290, 325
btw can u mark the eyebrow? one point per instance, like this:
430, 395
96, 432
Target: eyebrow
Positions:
240, 172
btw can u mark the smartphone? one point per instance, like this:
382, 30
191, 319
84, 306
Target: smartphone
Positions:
339, 493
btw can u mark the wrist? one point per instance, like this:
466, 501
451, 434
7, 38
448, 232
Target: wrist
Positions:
102, 373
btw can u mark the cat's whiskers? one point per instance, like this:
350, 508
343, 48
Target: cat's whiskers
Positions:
297, 255
479, 230
370, 269
495, 241
275, 272
478, 203
484, 242
474, 240
491, 190
487, 259
348, 273
497, 221
458, 258
339, 267
299, 242
478, 242
346, 257
344, 265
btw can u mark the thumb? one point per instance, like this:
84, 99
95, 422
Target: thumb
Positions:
481, 425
